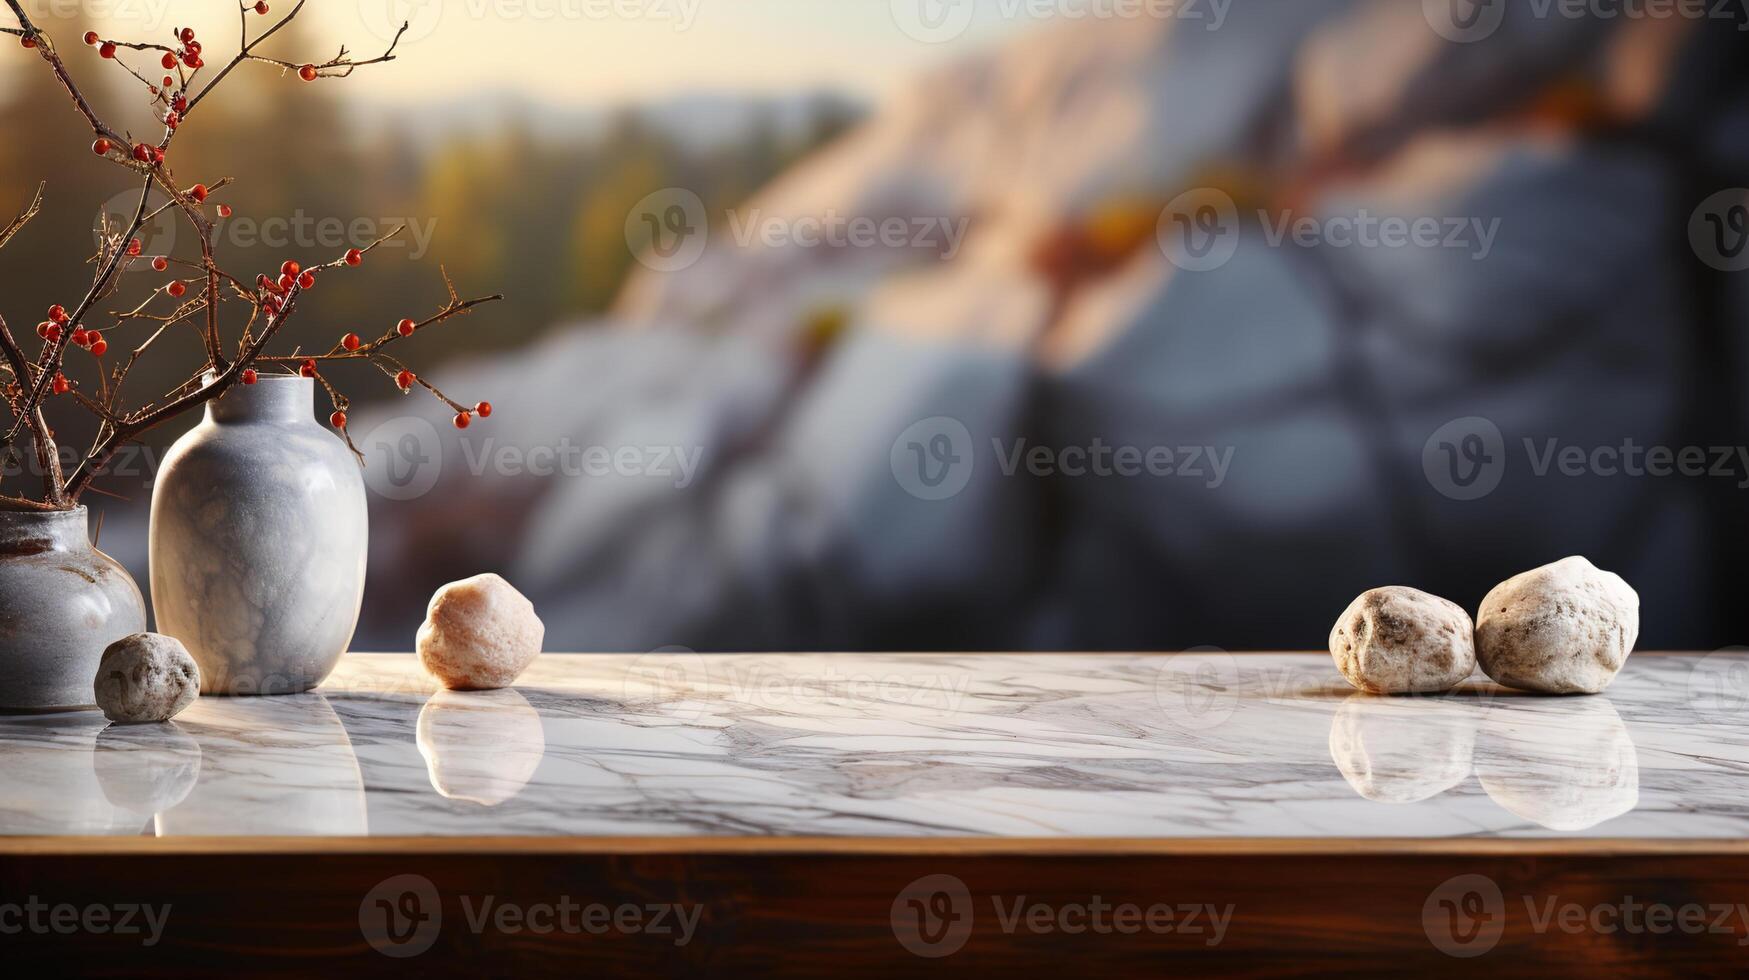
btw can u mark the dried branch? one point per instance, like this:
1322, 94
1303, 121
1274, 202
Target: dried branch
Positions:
270, 303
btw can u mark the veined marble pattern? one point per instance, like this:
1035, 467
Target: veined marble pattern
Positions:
1023, 745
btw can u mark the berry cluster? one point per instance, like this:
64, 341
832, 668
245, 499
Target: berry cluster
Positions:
55, 326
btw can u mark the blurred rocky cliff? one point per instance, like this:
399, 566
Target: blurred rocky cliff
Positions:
779, 443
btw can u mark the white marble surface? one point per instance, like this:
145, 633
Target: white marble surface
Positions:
1092, 745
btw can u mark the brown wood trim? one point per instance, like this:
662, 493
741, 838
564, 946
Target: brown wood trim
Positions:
847, 915
1042, 847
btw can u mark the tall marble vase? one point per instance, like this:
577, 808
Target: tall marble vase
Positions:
258, 541
61, 603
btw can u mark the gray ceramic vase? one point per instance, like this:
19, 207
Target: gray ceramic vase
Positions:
61, 602
258, 541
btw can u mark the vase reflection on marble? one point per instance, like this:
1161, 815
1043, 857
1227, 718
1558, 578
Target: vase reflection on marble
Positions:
258, 541
61, 603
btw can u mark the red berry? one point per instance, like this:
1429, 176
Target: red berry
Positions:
225, 211
285, 283
463, 420
194, 48
134, 246
198, 192
157, 154
405, 328
168, 61
142, 152
99, 348
101, 147
249, 376
168, 82
27, 41
61, 386
180, 103
49, 331
80, 338
483, 410
192, 60
350, 341
160, 264
187, 34
307, 73
91, 37
337, 420
290, 268
177, 288
94, 337
405, 380
354, 256
172, 120
108, 49
58, 313
308, 368
306, 280
261, 7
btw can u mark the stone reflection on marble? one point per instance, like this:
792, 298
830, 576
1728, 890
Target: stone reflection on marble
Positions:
50, 782
146, 768
480, 746
1567, 763
1403, 750
270, 767
1053, 745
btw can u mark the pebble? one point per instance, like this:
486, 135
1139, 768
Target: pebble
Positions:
480, 634
1564, 628
145, 677
1397, 640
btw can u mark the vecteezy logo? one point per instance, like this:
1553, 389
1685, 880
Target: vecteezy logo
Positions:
1464, 916
1465, 458
384, 17
1199, 230
403, 458
932, 459
401, 916
932, 916
1198, 689
676, 678
156, 237
667, 230
932, 21
1718, 685
1464, 21
1719, 230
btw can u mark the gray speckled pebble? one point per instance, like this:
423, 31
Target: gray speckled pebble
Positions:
1398, 640
146, 677
1564, 628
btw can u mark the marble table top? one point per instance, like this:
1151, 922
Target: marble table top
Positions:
1201, 745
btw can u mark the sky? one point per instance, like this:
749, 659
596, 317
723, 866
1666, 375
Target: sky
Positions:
597, 52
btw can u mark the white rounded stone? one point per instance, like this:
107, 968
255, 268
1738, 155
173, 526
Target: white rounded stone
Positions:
1564, 628
145, 677
479, 634
1398, 640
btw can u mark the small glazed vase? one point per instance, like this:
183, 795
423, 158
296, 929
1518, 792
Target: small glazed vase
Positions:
258, 541
61, 603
